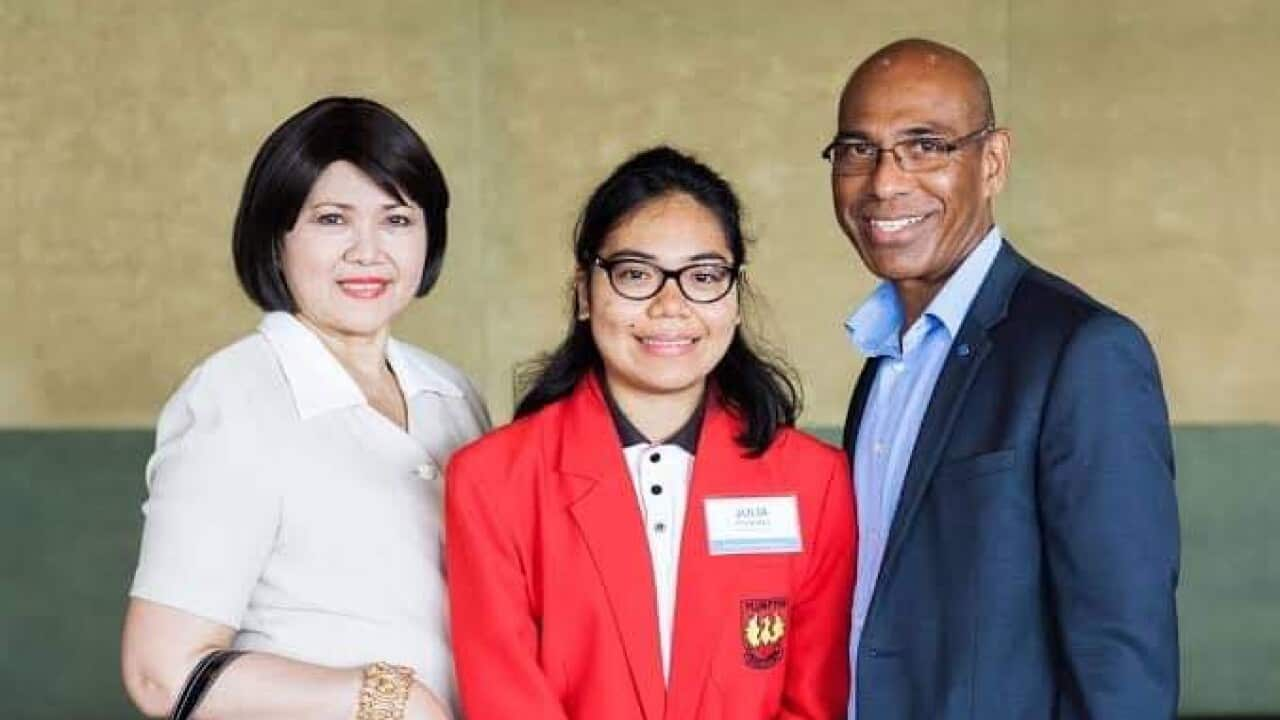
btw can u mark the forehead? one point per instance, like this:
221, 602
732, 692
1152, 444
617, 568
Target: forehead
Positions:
673, 227
344, 183
890, 97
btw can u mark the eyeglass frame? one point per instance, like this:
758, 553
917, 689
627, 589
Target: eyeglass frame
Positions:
735, 271
949, 147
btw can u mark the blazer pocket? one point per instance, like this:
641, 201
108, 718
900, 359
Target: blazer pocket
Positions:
978, 465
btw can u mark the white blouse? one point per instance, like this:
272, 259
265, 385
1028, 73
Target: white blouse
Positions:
283, 505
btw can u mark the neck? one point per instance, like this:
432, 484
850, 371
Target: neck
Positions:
657, 416
915, 296
364, 356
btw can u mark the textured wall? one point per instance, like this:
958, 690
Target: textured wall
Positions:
1145, 168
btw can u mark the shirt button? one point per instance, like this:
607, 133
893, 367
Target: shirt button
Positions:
656, 489
878, 448
659, 527
655, 457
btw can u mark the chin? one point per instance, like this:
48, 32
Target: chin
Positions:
672, 381
365, 322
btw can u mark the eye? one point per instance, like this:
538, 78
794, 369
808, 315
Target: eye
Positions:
709, 274
632, 272
399, 219
860, 149
927, 146
330, 218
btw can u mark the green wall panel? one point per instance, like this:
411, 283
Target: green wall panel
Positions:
69, 525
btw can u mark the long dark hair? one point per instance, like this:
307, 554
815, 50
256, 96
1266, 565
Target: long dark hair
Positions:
761, 391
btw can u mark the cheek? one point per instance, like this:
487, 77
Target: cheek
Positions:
305, 262
721, 322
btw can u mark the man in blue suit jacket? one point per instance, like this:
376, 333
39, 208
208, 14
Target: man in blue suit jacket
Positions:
1018, 533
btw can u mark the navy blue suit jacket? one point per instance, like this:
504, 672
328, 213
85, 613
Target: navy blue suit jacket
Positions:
1031, 564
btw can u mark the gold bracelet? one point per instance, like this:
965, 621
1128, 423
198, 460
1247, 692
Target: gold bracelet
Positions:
384, 692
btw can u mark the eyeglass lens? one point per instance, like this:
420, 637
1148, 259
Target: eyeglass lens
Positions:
640, 280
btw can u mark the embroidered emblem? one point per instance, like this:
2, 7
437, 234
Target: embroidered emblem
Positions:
763, 627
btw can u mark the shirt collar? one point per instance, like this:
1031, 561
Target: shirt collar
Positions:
874, 328
319, 382
686, 438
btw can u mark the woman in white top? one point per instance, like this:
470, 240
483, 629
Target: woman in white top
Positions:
294, 494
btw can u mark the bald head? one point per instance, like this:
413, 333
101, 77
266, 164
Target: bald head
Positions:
915, 59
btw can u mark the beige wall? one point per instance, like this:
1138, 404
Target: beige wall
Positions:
1146, 168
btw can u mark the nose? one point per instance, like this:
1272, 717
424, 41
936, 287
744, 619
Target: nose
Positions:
365, 244
888, 179
669, 301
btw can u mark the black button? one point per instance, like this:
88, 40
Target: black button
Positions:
655, 457
659, 527
656, 489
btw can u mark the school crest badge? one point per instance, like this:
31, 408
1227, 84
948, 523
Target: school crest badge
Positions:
764, 625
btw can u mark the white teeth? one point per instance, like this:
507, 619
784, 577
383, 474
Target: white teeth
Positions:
896, 225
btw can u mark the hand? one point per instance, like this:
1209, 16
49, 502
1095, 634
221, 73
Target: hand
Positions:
424, 705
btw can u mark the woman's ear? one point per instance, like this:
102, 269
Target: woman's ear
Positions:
581, 296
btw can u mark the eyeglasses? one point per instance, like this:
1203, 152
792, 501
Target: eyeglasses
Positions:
855, 156
640, 279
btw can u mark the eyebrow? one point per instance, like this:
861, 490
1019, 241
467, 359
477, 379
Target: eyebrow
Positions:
911, 132
349, 206
654, 258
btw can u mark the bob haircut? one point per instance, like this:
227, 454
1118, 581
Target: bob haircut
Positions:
762, 392
361, 132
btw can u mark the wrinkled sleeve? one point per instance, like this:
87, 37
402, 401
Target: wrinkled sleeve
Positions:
210, 519
817, 682
495, 634
1106, 493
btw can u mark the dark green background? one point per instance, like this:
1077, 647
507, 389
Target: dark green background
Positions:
69, 514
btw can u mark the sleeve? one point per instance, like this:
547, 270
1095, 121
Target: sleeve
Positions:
210, 522
817, 681
494, 630
1106, 494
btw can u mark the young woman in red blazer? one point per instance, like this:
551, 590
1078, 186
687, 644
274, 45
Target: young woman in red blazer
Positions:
651, 538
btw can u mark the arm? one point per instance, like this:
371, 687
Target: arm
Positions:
817, 683
162, 645
1110, 520
495, 633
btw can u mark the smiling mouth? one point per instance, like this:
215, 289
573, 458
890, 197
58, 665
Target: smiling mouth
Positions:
667, 342
364, 288
895, 224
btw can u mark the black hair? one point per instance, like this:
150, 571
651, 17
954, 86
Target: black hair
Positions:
760, 391
359, 131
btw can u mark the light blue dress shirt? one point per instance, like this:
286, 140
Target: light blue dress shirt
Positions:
909, 368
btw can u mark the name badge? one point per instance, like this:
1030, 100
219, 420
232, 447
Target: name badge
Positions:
749, 525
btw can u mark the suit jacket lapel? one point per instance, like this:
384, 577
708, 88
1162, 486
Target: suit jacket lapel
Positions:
971, 346
858, 403
719, 469
600, 496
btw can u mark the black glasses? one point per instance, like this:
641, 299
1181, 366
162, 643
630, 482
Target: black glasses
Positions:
636, 279
926, 153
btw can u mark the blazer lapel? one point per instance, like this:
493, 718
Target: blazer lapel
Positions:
718, 469
971, 346
858, 403
602, 501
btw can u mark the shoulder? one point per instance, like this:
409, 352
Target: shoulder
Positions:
1046, 304
232, 382
797, 450
518, 443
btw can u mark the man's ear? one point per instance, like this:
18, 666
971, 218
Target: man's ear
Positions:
581, 296
996, 151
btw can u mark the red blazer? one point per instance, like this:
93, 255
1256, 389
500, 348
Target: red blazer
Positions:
552, 598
